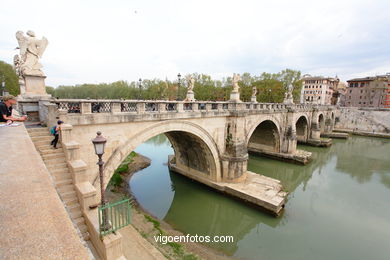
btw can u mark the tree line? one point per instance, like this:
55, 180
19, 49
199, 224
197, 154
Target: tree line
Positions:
270, 88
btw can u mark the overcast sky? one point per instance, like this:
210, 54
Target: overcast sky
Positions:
104, 41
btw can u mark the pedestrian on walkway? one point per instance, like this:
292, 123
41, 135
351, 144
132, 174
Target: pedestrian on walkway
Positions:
55, 130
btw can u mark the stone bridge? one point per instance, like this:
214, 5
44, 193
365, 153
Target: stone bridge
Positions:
210, 139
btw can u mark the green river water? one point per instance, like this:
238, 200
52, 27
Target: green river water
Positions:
338, 206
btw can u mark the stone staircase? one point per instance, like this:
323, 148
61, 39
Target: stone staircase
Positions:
56, 164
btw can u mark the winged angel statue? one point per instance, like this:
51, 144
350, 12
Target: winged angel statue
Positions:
31, 50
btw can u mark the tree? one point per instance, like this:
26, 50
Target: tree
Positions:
8, 74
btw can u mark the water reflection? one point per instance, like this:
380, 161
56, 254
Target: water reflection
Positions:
337, 208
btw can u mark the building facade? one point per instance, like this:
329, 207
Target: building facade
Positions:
368, 92
318, 89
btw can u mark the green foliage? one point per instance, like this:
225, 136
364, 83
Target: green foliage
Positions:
116, 180
7, 74
155, 223
50, 90
271, 88
124, 166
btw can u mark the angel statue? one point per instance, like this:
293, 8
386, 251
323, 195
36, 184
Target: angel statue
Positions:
191, 83
236, 79
31, 50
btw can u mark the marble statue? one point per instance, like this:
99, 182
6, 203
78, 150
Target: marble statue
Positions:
254, 91
236, 79
31, 50
190, 89
288, 96
254, 94
191, 83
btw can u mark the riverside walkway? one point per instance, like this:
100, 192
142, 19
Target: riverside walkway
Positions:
33, 220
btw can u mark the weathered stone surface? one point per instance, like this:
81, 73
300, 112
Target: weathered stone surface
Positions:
364, 119
33, 220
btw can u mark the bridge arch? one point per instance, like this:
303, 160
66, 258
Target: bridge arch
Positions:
265, 135
302, 128
194, 149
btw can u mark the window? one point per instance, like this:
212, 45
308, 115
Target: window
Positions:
360, 97
361, 91
350, 91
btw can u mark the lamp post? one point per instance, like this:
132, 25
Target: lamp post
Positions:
178, 86
99, 143
140, 88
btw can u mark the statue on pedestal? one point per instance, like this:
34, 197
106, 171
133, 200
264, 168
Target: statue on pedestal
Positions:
254, 94
236, 79
190, 88
288, 96
235, 94
27, 66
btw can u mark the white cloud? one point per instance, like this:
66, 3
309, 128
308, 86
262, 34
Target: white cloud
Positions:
102, 41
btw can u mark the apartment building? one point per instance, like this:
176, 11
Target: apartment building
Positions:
318, 89
368, 91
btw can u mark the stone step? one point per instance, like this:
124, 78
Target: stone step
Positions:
66, 188
63, 182
50, 151
56, 167
76, 214
74, 208
53, 155
58, 170
79, 220
48, 146
70, 201
45, 143
41, 138
62, 177
38, 129
83, 228
85, 236
41, 133
54, 161
68, 195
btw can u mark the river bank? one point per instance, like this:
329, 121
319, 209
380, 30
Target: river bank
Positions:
146, 224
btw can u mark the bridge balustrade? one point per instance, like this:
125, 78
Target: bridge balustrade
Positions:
74, 106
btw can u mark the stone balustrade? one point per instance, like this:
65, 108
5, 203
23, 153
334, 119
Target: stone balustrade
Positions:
89, 106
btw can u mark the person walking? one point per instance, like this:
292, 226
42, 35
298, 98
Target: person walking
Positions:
55, 130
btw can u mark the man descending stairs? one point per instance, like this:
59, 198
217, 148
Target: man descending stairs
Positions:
56, 164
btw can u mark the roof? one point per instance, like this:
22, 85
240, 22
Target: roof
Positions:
369, 78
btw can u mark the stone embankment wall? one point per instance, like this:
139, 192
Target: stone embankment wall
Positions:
364, 119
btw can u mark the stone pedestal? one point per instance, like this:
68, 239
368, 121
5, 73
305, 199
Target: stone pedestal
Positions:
253, 99
235, 96
288, 100
190, 96
35, 86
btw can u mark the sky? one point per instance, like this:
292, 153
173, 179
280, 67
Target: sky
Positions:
105, 41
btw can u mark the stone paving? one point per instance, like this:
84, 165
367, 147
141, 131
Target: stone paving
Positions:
33, 220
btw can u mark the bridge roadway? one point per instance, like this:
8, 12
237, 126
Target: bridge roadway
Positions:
33, 220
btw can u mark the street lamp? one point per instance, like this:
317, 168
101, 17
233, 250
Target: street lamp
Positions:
99, 143
178, 86
140, 87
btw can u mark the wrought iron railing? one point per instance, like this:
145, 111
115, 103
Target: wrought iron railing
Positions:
114, 216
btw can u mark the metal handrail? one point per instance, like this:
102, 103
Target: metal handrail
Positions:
118, 215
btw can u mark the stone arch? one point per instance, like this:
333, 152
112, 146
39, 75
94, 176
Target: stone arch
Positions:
302, 128
265, 136
192, 145
321, 122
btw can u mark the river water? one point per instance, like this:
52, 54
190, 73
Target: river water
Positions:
338, 206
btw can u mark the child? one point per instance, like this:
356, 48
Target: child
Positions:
55, 130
